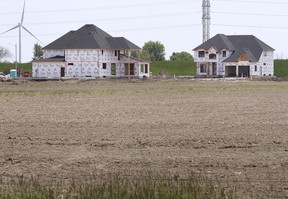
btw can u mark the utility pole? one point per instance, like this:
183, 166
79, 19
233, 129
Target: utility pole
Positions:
206, 9
16, 57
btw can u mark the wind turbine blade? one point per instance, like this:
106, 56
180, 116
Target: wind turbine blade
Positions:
22, 18
10, 29
31, 34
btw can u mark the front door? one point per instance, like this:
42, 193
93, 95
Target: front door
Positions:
129, 70
62, 71
214, 68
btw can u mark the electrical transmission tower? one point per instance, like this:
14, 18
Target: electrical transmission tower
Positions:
206, 9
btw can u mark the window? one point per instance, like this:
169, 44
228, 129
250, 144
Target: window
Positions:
113, 69
70, 64
104, 65
201, 53
202, 68
265, 54
212, 56
255, 68
116, 53
224, 53
144, 68
102, 52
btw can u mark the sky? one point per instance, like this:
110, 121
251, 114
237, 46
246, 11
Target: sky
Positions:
177, 24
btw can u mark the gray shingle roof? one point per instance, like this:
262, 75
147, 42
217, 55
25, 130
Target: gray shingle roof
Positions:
52, 59
247, 45
218, 42
90, 37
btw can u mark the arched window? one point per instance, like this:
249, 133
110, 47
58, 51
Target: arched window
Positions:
212, 56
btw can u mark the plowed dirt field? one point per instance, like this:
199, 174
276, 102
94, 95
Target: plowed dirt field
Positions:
233, 132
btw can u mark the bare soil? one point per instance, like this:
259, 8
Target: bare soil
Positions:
233, 132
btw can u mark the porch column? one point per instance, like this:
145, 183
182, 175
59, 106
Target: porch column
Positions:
129, 54
237, 70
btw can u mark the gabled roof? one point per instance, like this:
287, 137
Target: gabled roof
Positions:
247, 45
218, 42
90, 37
120, 43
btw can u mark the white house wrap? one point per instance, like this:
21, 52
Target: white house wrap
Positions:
90, 52
234, 56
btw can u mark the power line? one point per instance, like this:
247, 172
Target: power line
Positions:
105, 7
121, 30
258, 2
247, 26
156, 28
164, 27
252, 14
111, 19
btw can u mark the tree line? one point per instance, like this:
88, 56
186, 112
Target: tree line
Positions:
37, 53
155, 51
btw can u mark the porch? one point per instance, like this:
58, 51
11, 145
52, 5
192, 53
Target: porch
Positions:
208, 69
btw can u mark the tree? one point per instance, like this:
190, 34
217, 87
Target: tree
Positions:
154, 51
37, 52
4, 53
182, 56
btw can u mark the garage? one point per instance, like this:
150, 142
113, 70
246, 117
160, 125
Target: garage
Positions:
230, 71
244, 71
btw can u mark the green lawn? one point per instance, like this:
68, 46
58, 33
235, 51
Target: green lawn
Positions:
189, 68
23, 67
171, 67
281, 68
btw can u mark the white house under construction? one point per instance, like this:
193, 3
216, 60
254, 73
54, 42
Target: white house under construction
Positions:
90, 52
234, 56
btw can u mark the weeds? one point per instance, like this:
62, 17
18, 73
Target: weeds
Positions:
153, 186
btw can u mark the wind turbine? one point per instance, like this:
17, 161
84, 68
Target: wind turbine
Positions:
20, 26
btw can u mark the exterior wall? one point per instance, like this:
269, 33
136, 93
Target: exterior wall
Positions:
88, 63
265, 66
212, 56
47, 69
78, 55
266, 63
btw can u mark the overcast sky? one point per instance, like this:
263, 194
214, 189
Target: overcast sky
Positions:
175, 23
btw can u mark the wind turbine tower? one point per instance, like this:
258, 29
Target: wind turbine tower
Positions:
20, 26
206, 10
